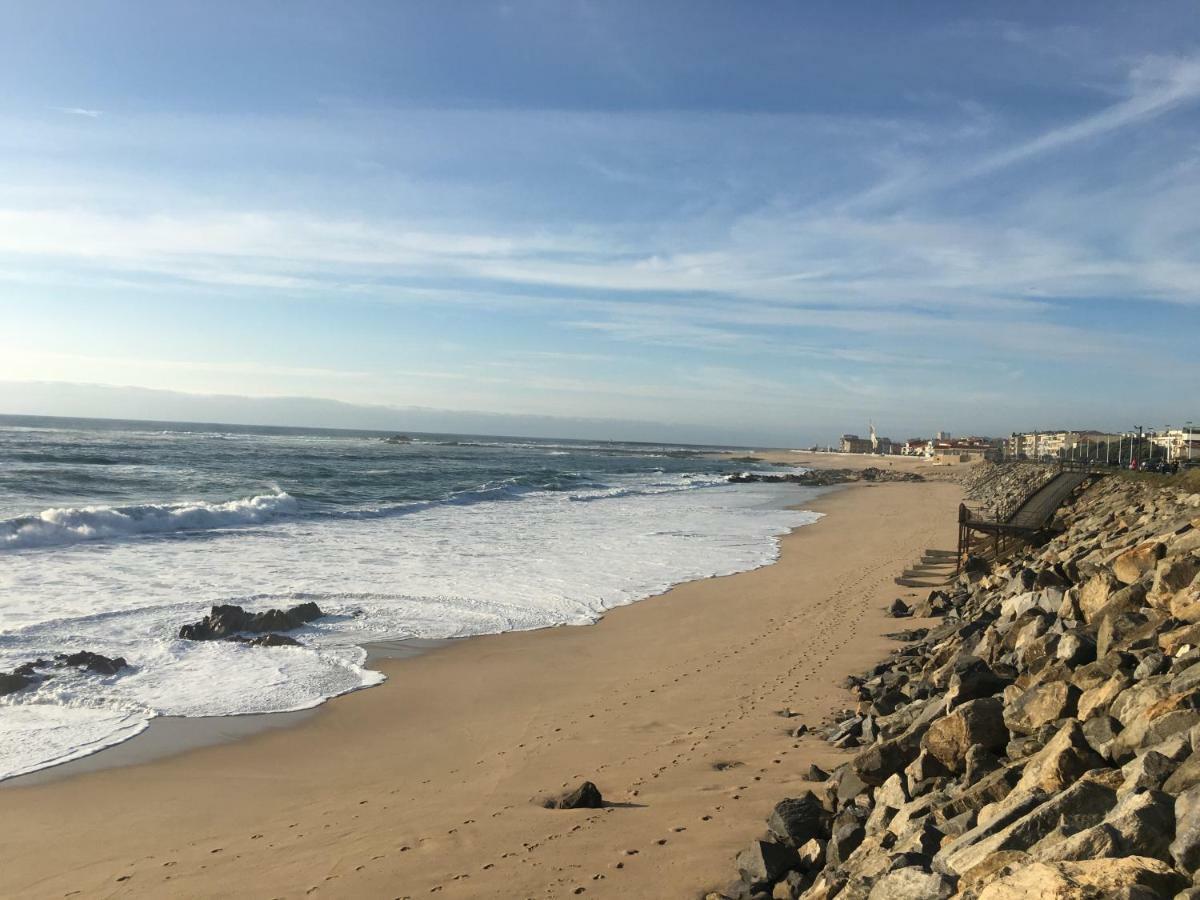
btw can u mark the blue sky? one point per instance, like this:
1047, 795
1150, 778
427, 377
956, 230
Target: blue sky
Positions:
774, 220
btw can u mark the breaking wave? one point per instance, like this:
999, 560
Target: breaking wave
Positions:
70, 525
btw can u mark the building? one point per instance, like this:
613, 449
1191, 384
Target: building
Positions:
852, 443
969, 449
1178, 444
1082, 444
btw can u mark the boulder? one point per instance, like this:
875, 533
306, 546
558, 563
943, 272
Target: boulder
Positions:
1100, 732
11, 682
977, 722
762, 863
1185, 848
1040, 706
1095, 594
586, 796
899, 609
1131, 565
1185, 775
795, 821
971, 679
1027, 818
1131, 878
1146, 772
1172, 575
93, 662
912, 883
1141, 824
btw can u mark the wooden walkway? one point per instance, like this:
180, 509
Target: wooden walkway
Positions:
1029, 518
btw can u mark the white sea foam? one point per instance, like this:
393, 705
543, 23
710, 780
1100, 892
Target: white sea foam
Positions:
436, 571
70, 525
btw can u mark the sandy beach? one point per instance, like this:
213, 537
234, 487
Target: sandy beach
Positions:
430, 783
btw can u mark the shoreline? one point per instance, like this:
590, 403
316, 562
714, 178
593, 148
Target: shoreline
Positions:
487, 746
166, 736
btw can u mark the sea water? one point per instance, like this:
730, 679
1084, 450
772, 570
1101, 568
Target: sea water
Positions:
114, 534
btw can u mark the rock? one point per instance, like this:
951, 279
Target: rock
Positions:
1131, 878
267, 640
586, 796
976, 722
847, 833
1131, 565
1117, 632
899, 609
1141, 824
93, 662
811, 854
1100, 732
1172, 575
1173, 642
1185, 848
227, 620
1028, 817
791, 887
1040, 706
1153, 663
762, 863
1096, 701
1095, 594
980, 762
912, 883
1145, 772
12, 682
972, 679
1185, 776
1075, 648
815, 773
795, 821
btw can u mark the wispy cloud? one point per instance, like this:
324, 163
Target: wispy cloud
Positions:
80, 111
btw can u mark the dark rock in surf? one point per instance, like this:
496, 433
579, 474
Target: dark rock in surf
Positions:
93, 662
227, 620
267, 640
11, 682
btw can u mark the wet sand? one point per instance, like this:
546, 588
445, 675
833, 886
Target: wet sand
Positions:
429, 784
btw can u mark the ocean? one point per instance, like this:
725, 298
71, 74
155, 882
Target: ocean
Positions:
114, 534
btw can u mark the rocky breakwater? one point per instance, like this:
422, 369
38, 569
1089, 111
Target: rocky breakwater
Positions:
1042, 741
825, 477
999, 485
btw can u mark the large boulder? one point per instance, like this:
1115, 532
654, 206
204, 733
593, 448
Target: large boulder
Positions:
1131, 565
763, 863
586, 796
1040, 706
912, 883
1027, 817
11, 682
1185, 848
977, 722
1131, 878
795, 821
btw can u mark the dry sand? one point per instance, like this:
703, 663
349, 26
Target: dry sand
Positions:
428, 784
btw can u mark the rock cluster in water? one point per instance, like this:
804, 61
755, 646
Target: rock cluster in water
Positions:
823, 477
228, 622
1042, 741
33, 673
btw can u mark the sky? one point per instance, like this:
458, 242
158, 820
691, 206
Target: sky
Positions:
758, 222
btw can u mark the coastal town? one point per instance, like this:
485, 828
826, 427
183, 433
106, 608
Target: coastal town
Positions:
1140, 447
